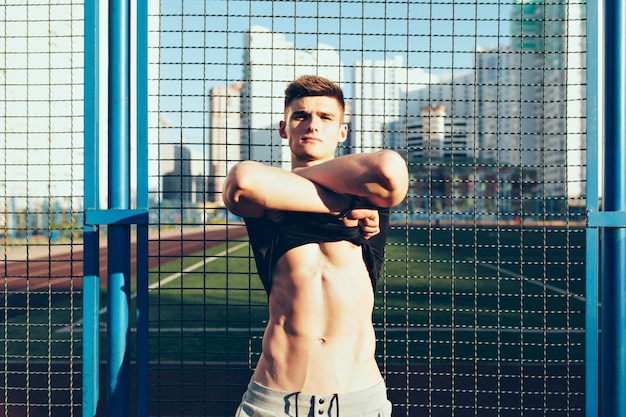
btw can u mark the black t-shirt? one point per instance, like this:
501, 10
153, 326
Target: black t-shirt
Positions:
270, 240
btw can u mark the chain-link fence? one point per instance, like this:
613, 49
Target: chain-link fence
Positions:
41, 152
481, 309
481, 305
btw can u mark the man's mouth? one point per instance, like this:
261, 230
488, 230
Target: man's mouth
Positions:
310, 139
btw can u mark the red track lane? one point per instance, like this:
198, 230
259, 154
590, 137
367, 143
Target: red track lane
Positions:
63, 272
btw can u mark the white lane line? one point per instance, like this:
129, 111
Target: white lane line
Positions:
191, 268
535, 282
167, 280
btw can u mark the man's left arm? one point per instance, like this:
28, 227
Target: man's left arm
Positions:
380, 178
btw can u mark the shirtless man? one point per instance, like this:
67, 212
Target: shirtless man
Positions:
318, 234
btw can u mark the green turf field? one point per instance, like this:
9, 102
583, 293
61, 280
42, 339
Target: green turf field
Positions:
447, 294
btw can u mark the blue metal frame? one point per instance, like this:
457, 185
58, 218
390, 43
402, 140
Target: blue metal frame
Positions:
594, 133
118, 262
116, 216
606, 268
613, 266
143, 204
91, 264
119, 216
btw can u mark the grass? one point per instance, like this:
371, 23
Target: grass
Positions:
447, 294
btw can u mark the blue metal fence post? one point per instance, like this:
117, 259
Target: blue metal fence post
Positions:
142, 203
592, 234
119, 216
613, 284
91, 264
118, 279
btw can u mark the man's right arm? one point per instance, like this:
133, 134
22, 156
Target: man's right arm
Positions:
251, 188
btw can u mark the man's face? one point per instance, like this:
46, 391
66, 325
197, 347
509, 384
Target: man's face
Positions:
314, 126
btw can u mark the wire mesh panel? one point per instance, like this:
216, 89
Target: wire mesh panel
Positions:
40, 206
481, 307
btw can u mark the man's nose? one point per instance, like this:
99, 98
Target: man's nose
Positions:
314, 123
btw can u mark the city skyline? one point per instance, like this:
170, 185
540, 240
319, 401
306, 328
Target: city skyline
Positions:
210, 37
179, 99
507, 121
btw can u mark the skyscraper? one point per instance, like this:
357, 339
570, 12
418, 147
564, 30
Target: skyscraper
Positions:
41, 129
380, 95
549, 61
450, 98
490, 94
183, 172
565, 144
225, 143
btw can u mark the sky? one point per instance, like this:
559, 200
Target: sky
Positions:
379, 28
202, 41
201, 45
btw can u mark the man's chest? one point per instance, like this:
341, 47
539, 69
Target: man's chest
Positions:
323, 257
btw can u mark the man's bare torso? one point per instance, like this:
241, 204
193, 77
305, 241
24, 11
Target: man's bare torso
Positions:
320, 338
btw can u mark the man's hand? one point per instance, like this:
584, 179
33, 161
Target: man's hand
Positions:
367, 220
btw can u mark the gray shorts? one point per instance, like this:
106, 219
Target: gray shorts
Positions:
260, 401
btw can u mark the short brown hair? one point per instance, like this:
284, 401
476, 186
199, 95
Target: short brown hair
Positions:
313, 85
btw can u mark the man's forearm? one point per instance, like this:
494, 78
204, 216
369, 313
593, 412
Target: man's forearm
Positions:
251, 188
380, 177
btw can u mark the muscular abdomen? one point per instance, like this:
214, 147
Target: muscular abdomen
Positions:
320, 337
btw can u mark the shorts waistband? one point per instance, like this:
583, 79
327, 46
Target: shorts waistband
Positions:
352, 403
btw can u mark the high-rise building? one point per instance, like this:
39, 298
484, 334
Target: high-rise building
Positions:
41, 100
491, 93
434, 134
531, 96
548, 60
184, 179
565, 86
225, 143
433, 131
41, 129
521, 141
452, 94
271, 63
380, 94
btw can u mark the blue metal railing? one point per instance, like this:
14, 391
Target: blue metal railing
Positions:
613, 266
119, 216
592, 193
91, 259
118, 261
606, 267
142, 204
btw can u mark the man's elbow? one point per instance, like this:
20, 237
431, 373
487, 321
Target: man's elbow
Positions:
394, 178
238, 182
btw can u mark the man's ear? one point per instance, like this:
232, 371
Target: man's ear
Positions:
281, 129
343, 133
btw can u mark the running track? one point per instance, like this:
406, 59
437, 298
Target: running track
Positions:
45, 272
